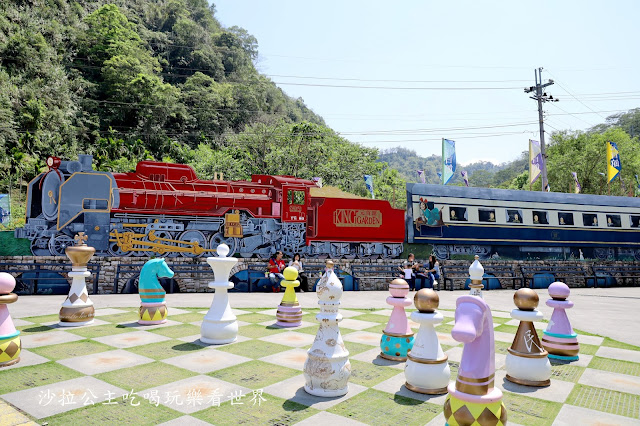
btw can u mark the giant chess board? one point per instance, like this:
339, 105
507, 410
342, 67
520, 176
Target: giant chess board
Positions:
117, 372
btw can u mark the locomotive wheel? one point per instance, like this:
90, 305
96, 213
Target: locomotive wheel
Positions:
115, 250
40, 247
193, 236
161, 234
59, 243
219, 238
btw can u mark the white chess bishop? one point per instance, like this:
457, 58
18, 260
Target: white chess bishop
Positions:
427, 370
327, 368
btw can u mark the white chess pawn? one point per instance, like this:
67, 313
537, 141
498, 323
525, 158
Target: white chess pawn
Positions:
327, 368
527, 361
220, 325
427, 370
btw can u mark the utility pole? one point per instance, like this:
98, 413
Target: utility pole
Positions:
541, 97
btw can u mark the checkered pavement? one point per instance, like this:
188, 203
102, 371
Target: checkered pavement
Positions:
116, 371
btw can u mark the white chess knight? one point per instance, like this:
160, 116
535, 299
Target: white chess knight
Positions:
327, 368
427, 370
220, 325
527, 361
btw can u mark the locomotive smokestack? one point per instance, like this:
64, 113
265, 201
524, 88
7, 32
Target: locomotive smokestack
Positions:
86, 161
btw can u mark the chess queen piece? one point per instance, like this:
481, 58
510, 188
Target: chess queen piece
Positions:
327, 368
473, 398
153, 307
559, 338
427, 370
220, 325
77, 309
289, 313
527, 362
476, 273
10, 344
397, 337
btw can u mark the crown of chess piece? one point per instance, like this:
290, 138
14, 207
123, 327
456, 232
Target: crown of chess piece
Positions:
527, 361
77, 309
476, 273
327, 368
153, 306
289, 312
220, 325
559, 338
427, 370
397, 337
473, 398
10, 344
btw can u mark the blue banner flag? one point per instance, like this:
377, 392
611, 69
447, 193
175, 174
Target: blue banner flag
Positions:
613, 160
421, 176
368, 181
448, 160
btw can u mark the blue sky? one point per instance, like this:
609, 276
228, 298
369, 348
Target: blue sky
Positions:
411, 47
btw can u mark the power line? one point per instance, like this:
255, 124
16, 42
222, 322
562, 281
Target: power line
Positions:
572, 95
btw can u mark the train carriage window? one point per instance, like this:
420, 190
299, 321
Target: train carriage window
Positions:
635, 221
589, 219
565, 218
458, 214
295, 197
514, 216
540, 217
487, 215
613, 220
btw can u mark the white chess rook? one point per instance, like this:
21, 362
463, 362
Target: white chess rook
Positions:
220, 325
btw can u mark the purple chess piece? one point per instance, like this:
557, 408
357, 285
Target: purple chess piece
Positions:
473, 397
559, 338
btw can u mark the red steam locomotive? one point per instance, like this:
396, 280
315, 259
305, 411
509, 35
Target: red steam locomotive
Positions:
164, 209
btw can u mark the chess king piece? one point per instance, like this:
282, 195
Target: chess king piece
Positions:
397, 337
153, 307
10, 344
427, 370
559, 338
289, 313
327, 368
527, 362
78, 309
476, 273
473, 399
220, 325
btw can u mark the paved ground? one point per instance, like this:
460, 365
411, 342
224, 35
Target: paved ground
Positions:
117, 372
612, 312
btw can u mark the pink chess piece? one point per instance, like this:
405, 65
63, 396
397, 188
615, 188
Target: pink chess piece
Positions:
397, 337
10, 345
559, 338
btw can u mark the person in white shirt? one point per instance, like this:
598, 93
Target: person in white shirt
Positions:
297, 263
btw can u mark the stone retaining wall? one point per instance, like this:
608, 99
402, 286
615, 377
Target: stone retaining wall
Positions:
190, 283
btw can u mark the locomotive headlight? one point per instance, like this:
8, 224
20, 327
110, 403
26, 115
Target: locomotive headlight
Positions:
53, 162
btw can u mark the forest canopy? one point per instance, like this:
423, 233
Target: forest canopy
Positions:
127, 80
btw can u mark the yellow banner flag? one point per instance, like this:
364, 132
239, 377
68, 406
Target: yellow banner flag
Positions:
613, 161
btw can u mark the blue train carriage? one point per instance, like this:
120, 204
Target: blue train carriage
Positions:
501, 223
